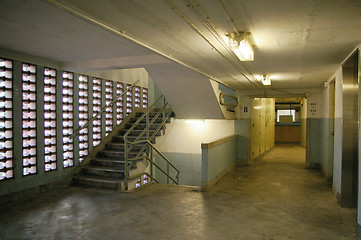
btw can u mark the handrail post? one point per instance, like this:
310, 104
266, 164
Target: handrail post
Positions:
126, 163
151, 162
164, 114
147, 125
148, 149
168, 173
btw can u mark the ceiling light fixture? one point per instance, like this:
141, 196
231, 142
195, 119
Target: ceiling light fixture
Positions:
266, 79
240, 45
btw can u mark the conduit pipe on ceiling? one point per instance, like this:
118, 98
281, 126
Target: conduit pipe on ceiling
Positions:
231, 22
123, 34
181, 15
219, 38
229, 19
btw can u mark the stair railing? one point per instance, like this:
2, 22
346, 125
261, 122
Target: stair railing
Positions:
149, 156
103, 110
148, 148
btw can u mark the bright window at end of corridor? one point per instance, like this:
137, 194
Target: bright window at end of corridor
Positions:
285, 115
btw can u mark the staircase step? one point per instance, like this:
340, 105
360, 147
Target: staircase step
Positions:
104, 168
141, 126
115, 154
151, 114
137, 132
159, 119
110, 162
120, 146
120, 139
98, 181
104, 171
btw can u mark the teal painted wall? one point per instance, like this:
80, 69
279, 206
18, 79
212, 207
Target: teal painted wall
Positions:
303, 132
242, 127
313, 149
218, 159
326, 147
320, 145
189, 165
337, 163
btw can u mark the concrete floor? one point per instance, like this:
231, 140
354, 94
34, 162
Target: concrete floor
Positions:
276, 198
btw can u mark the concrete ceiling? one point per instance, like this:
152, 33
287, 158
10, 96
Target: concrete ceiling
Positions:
300, 43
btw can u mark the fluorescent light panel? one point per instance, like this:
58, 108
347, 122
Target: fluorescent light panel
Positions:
266, 79
241, 46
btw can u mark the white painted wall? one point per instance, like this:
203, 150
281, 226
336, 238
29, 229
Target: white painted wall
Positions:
245, 105
183, 137
338, 94
325, 102
314, 106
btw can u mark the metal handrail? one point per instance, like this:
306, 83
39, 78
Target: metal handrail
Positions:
141, 151
140, 174
128, 145
175, 180
222, 102
103, 110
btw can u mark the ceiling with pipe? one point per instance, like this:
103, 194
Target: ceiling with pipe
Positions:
299, 43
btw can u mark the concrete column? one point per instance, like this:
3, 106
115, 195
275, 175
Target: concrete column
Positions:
40, 120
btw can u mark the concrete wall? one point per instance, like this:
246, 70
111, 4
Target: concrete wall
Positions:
263, 125
182, 145
42, 180
218, 158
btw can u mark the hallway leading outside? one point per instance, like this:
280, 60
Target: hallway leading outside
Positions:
275, 198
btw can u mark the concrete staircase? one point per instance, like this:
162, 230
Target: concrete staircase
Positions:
105, 166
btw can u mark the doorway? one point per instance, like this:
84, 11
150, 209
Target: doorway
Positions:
288, 120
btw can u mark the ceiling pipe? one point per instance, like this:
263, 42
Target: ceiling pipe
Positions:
229, 19
231, 22
215, 34
181, 15
122, 33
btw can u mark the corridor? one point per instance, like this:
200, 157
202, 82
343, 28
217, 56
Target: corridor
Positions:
275, 198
